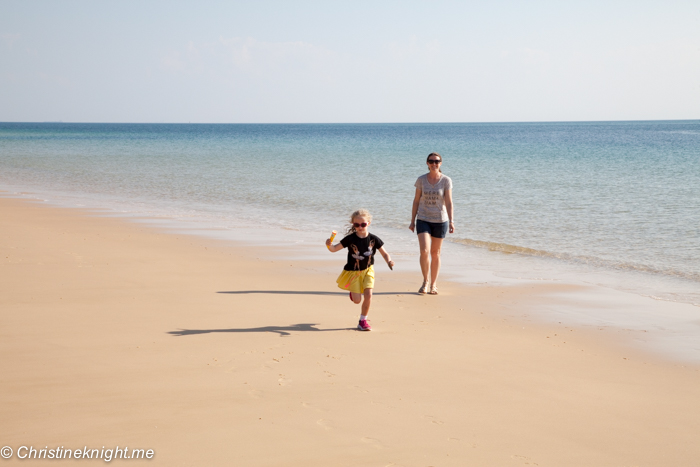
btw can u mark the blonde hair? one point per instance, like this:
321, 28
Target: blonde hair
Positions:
359, 213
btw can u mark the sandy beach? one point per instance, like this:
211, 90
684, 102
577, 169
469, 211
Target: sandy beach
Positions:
113, 333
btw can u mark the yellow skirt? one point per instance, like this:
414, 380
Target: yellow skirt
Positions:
356, 281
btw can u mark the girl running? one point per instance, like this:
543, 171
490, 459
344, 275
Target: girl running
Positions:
358, 274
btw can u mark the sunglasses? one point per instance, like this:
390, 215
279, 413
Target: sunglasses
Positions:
434, 161
356, 225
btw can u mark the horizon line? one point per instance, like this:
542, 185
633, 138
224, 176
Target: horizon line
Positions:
355, 123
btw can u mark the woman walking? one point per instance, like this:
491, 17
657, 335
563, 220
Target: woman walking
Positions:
431, 218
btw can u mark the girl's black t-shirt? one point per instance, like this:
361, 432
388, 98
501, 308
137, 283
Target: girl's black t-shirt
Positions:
361, 251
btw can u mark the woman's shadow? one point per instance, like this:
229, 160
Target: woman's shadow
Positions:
307, 292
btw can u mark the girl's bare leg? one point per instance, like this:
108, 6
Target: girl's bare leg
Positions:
366, 303
356, 297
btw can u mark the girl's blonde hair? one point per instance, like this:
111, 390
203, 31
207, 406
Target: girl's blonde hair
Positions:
359, 213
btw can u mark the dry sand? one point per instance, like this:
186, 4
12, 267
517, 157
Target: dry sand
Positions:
213, 354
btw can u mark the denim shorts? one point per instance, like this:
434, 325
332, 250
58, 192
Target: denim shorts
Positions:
435, 229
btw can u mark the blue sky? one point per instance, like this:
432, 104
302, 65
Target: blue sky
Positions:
360, 61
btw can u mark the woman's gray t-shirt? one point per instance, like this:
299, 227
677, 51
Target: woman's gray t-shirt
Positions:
432, 202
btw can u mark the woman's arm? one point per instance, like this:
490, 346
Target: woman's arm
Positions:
450, 209
414, 211
386, 257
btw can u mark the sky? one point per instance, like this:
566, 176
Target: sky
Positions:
341, 61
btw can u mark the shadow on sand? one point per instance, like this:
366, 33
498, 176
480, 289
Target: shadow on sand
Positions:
308, 292
281, 330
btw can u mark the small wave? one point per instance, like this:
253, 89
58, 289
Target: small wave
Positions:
683, 132
578, 259
503, 247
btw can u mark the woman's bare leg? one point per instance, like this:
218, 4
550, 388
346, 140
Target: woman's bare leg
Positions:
424, 242
435, 246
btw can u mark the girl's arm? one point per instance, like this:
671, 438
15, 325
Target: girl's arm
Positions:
450, 209
386, 257
414, 211
333, 248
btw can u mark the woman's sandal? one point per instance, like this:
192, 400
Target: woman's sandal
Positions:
423, 288
433, 290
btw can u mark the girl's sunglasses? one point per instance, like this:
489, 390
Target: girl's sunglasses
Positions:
434, 161
356, 225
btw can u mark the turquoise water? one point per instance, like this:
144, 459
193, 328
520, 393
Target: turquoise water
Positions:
616, 202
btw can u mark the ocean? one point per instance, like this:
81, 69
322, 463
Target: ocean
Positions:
615, 204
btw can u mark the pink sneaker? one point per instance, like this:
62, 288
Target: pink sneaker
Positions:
363, 325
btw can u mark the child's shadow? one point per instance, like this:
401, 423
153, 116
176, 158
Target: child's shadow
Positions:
281, 330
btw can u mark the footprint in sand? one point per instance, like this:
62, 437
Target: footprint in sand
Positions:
326, 424
308, 406
373, 442
433, 420
525, 460
255, 393
282, 380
